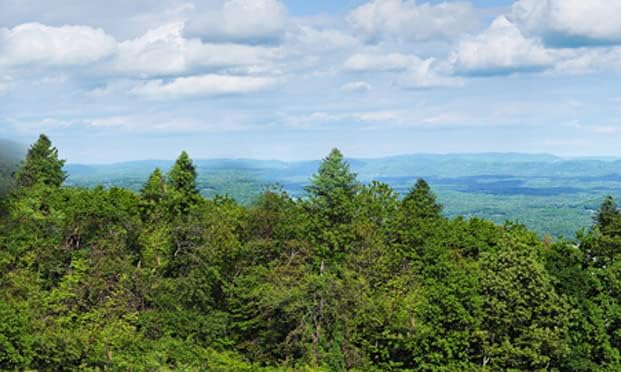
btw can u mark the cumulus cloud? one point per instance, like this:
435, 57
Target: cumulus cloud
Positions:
34, 43
240, 21
427, 74
405, 19
588, 60
501, 49
570, 23
203, 85
165, 51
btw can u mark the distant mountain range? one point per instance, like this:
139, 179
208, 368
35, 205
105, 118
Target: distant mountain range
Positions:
422, 165
548, 193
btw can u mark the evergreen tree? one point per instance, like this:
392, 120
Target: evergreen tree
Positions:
41, 166
154, 189
421, 202
333, 182
331, 205
182, 177
182, 182
420, 222
608, 215
351, 278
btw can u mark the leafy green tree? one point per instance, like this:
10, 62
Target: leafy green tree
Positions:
41, 165
524, 319
594, 313
349, 278
16, 338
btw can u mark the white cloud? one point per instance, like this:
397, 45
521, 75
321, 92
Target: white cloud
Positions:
164, 51
203, 85
588, 60
380, 62
405, 19
315, 119
241, 21
427, 74
34, 43
413, 71
570, 22
501, 49
307, 38
356, 87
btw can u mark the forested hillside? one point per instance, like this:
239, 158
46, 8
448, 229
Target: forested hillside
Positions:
550, 195
350, 277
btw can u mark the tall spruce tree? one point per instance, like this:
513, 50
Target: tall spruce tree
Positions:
41, 166
608, 214
153, 195
333, 181
421, 202
420, 221
332, 192
182, 182
155, 187
182, 176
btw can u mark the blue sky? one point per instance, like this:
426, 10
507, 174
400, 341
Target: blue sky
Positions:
116, 80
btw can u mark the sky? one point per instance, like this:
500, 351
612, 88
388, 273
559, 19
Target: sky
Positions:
120, 80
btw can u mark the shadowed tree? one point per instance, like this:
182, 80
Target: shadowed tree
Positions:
607, 215
41, 165
153, 196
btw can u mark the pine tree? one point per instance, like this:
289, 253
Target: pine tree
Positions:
607, 215
182, 182
41, 166
421, 202
332, 192
334, 180
155, 187
153, 196
182, 176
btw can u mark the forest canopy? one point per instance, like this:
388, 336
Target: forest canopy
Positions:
351, 277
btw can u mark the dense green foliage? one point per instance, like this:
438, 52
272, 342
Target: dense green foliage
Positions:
350, 277
550, 195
